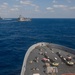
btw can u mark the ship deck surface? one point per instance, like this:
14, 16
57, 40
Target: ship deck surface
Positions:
51, 53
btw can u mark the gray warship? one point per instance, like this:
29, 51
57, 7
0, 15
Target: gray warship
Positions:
22, 19
49, 59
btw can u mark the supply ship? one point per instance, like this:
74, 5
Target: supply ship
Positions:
49, 59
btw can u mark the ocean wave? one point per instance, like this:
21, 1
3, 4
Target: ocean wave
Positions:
16, 37
7, 21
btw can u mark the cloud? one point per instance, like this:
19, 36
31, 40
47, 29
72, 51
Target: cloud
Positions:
14, 9
50, 9
17, 6
26, 2
35, 6
17, 0
59, 6
54, 1
4, 5
69, 1
73, 8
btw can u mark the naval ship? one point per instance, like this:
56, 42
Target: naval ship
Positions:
21, 19
49, 59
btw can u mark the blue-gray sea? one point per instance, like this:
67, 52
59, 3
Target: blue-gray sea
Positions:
16, 37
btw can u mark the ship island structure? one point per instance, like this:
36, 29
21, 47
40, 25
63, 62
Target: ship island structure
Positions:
22, 19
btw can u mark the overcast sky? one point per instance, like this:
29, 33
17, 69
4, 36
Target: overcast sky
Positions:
37, 8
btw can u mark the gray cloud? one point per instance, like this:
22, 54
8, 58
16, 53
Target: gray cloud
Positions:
73, 8
59, 6
29, 3
50, 9
54, 1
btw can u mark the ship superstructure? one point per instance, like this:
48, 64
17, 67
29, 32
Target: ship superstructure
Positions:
21, 19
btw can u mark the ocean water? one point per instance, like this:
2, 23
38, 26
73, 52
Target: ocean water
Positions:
17, 37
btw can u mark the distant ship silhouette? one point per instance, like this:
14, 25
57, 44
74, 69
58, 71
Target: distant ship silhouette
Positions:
23, 18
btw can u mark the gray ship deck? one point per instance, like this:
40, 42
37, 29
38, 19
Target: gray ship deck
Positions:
35, 65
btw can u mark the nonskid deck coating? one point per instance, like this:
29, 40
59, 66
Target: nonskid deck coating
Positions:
62, 68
